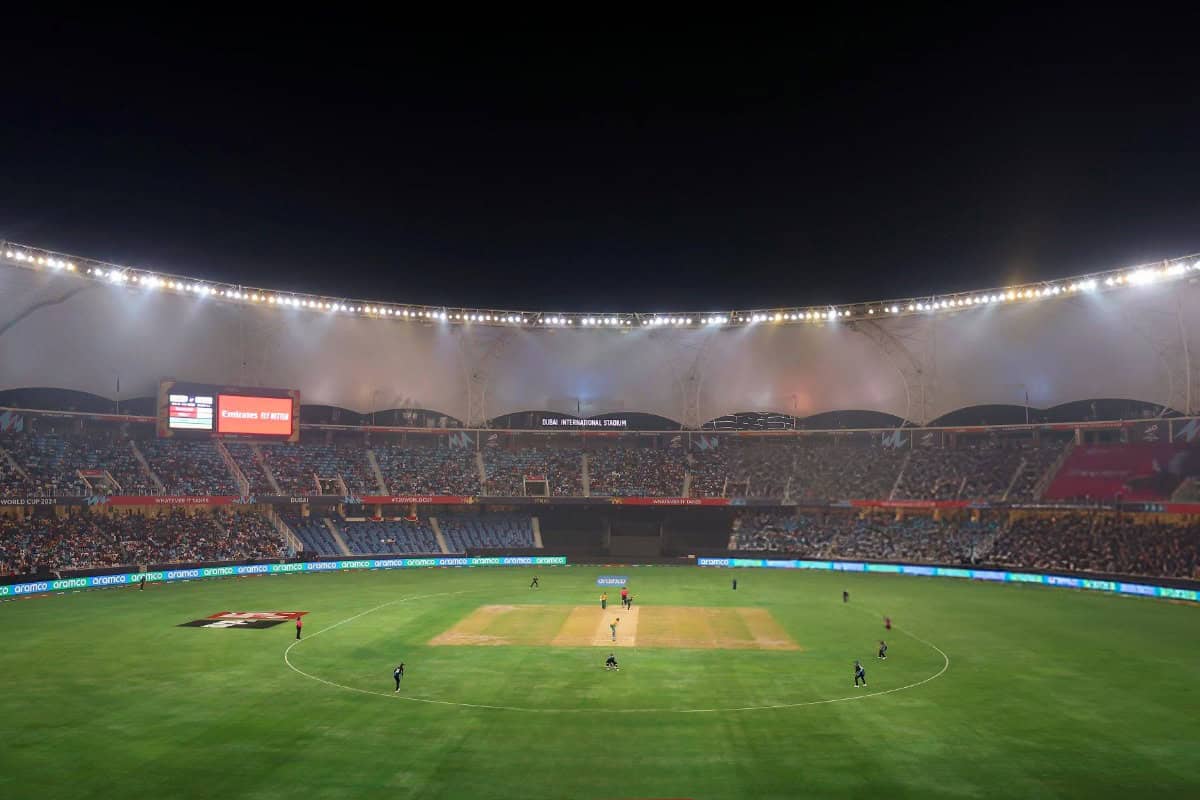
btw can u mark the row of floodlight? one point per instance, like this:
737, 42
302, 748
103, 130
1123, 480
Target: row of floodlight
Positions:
136, 278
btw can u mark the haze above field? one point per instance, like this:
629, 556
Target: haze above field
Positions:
609, 172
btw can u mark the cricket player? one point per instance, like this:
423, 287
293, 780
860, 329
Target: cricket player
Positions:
624, 596
860, 674
613, 626
611, 663
845, 597
882, 650
398, 673
299, 625
603, 600
887, 623
533, 584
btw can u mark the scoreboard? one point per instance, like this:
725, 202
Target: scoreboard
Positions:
189, 411
203, 410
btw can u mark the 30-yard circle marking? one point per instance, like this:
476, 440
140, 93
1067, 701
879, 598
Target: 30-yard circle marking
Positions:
395, 696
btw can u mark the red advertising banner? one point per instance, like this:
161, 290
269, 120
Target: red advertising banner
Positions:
260, 416
421, 500
910, 503
668, 501
169, 500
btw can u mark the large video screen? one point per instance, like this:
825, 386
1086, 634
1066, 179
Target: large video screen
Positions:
263, 416
202, 410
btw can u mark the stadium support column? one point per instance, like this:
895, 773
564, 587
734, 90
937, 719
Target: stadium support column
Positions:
480, 349
1188, 408
1172, 351
680, 353
902, 346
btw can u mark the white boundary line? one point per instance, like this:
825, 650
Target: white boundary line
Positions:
395, 696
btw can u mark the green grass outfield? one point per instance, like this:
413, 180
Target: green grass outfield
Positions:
1013, 691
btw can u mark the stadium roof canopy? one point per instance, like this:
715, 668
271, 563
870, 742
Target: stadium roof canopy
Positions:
77, 324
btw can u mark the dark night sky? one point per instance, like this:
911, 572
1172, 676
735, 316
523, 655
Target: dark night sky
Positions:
848, 160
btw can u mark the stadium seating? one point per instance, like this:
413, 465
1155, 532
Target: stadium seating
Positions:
1134, 471
633, 471
188, 467
52, 463
313, 534
367, 538
976, 472
507, 469
428, 470
251, 466
1104, 542
85, 540
849, 535
486, 531
1101, 542
298, 467
795, 470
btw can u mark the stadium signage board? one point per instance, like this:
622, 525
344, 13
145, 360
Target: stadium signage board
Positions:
167, 576
612, 580
1143, 590
577, 422
201, 410
446, 499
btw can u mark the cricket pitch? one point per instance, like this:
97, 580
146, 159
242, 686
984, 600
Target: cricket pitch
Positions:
644, 626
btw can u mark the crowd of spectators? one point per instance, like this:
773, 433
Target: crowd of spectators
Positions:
251, 465
1038, 461
1105, 542
428, 470
832, 472
52, 464
742, 470
506, 471
13, 483
636, 471
976, 471
188, 467
50, 543
850, 535
798, 470
1102, 542
809, 471
314, 468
